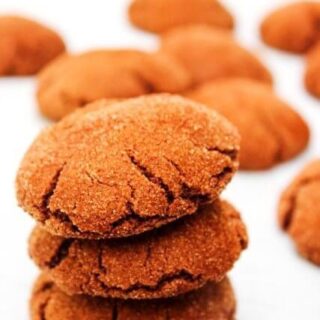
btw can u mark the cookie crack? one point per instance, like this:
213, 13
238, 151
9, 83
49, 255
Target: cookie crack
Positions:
42, 309
60, 254
115, 311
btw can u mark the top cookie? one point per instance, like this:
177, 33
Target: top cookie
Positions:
26, 46
312, 72
127, 168
162, 15
210, 53
293, 28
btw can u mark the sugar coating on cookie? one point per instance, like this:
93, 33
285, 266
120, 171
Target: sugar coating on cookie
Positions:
261, 118
162, 15
210, 53
213, 301
26, 46
312, 79
72, 81
128, 167
299, 211
165, 262
293, 28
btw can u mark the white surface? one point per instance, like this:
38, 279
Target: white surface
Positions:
271, 280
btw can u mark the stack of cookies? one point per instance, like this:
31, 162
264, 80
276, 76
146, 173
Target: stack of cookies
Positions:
130, 224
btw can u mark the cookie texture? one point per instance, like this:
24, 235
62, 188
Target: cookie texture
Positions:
210, 54
312, 79
26, 46
162, 15
213, 301
293, 28
166, 262
127, 168
261, 118
72, 81
299, 211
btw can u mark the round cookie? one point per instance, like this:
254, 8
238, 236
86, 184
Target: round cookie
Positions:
312, 79
210, 54
166, 262
26, 46
213, 301
293, 28
72, 81
271, 131
299, 212
161, 15
127, 168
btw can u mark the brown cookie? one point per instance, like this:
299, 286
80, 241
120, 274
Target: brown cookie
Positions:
294, 27
26, 46
161, 15
312, 73
213, 301
71, 82
165, 262
261, 118
299, 212
210, 54
127, 168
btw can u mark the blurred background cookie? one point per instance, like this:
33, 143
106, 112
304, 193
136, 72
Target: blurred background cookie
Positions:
209, 54
161, 15
312, 73
127, 168
271, 131
213, 301
293, 27
299, 211
26, 46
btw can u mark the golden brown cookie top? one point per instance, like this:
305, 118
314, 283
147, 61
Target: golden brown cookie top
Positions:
293, 27
26, 46
312, 79
161, 15
299, 211
210, 53
261, 118
165, 262
127, 168
213, 301
72, 81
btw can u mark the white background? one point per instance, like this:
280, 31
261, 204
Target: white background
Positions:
272, 282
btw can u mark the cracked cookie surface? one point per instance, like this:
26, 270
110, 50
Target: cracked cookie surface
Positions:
127, 168
213, 301
261, 118
72, 81
161, 15
299, 212
210, 54
172, 260
26, 46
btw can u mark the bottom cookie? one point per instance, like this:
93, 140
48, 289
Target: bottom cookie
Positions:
211, 302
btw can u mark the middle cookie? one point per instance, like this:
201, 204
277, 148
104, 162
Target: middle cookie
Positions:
162, 263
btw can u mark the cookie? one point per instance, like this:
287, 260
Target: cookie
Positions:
213, 301
72, 81
211, 54
261, 118
165, 262
26, 46
299, 212
127, 168
161, 15
293, 28
312, 79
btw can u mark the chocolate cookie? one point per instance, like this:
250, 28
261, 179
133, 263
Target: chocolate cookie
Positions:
293, 28
127, 168
166, 262
209, 54
299, 212
162, 15
312, 79
72, 81
213, 301
26, 46
261, 118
